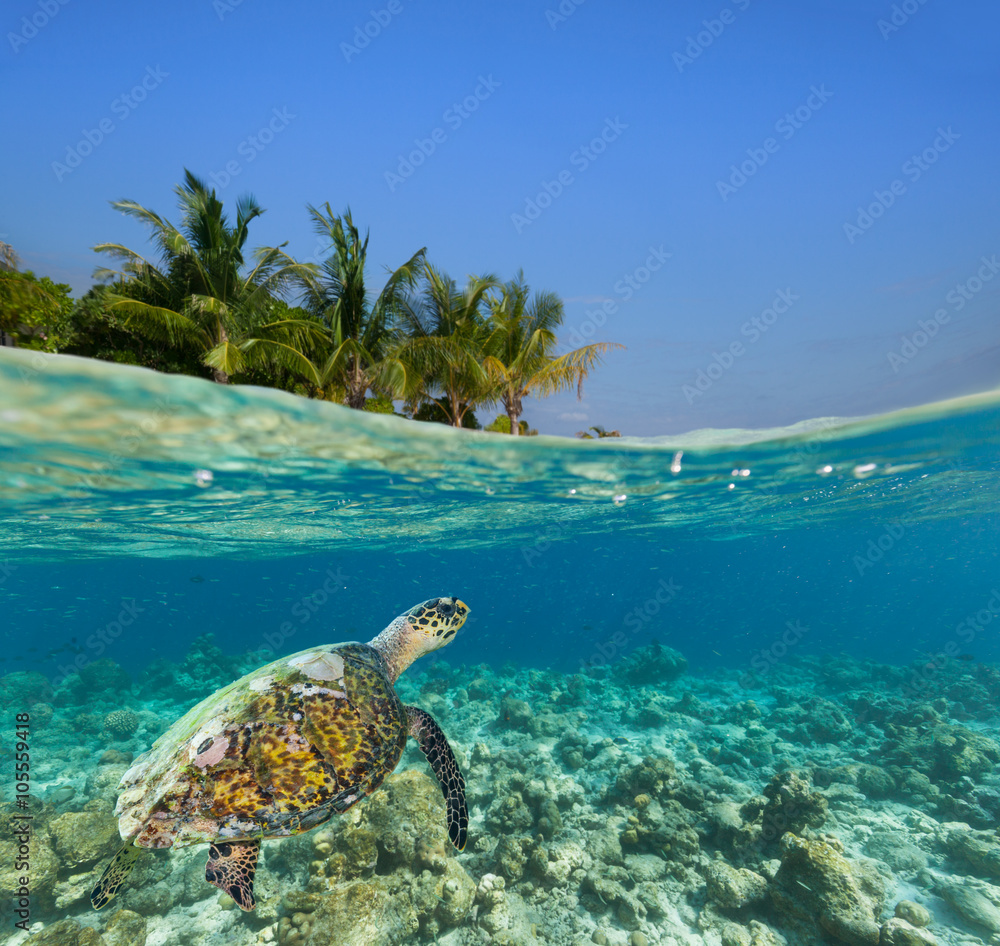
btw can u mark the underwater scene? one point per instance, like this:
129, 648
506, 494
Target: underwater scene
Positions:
735, 688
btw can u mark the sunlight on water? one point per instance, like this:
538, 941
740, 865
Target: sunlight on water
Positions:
104, 459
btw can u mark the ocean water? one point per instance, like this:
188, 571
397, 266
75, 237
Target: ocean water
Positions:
140, 512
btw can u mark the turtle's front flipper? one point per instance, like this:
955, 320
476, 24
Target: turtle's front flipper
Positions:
114, 876
435, 746
231, 867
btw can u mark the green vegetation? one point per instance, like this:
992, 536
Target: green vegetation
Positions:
501, 425
210, 306
359, 347
37, 312
518, 355
204, 297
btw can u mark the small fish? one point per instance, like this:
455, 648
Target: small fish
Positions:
62, 794
620, 741
965, 657
71, 646
197, 579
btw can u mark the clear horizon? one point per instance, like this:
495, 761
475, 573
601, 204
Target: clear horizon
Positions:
782, 212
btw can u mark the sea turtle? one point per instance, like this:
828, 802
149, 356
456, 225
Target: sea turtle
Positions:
282, 749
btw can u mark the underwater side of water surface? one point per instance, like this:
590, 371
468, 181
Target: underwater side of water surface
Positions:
275, 522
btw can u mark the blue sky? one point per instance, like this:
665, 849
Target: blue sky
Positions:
693, 179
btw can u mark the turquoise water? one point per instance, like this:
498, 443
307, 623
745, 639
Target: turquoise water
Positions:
225, 509
140, 512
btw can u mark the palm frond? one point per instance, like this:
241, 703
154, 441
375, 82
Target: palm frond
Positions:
163, 324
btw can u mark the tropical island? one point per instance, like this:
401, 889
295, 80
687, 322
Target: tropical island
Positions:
211, 307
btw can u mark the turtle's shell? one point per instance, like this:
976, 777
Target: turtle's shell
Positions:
273, 754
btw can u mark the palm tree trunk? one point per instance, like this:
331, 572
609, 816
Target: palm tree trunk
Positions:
218, 375
513, 407
358, 389
515, 426
454, 406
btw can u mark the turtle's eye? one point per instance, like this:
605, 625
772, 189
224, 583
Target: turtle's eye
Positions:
446, 608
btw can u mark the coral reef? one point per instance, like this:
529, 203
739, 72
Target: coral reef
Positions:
637, 804
817, 884
121, 723
652, 664
101, 679
83, 838
386, 870
25, 688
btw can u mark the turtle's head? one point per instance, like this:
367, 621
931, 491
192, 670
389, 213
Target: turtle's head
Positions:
416, 632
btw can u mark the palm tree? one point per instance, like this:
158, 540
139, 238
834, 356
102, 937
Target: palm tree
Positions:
8, 257
519, 352
447, 332
204, 295
358, 351
598, 431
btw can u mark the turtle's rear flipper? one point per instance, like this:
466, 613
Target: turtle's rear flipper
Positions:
435, 746
231, 867
114, 876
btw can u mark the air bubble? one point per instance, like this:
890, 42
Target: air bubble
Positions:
203, 478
